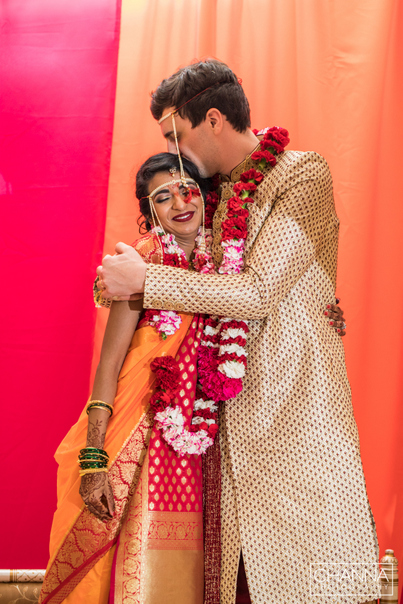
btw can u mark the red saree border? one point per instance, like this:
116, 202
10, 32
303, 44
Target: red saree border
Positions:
89, 563
89, 536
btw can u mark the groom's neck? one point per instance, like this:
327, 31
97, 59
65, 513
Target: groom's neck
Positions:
236, 146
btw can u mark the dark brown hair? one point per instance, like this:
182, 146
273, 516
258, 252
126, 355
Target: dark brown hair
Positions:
221, 90
162, 162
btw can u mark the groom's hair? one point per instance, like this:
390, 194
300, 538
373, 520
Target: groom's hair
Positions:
195, 89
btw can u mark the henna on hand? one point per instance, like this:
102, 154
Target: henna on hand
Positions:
97, 494
96, 433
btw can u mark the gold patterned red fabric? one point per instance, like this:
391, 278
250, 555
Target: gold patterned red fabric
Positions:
293, 488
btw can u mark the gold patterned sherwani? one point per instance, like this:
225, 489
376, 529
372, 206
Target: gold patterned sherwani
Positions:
293, 489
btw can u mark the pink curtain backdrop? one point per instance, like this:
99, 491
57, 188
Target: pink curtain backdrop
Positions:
330, 72
58, 77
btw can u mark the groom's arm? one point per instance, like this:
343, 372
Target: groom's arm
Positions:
287, 245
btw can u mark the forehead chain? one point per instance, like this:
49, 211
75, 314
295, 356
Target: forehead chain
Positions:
189, 181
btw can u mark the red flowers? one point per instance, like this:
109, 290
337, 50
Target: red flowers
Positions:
264, 155
167, 371
252, 175
234, 228
239, 187
280, 135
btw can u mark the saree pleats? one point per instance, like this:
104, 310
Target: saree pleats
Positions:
78, 539
160, 552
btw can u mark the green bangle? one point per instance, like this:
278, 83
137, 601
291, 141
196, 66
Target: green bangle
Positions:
100, 405
93, 449
96, 456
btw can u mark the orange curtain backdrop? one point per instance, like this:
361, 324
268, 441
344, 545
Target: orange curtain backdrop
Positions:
331, 72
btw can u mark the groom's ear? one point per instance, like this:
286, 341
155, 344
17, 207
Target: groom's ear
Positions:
215, 120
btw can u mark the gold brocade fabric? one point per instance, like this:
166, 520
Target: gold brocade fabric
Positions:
293, 489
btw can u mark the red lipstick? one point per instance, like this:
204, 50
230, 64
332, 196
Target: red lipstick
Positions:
185, 217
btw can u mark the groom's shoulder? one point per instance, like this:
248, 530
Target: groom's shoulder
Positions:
304, 163
293, 167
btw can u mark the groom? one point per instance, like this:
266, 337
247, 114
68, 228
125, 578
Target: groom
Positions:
293, 490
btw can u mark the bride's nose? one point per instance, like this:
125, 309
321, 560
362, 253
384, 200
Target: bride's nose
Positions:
178, 201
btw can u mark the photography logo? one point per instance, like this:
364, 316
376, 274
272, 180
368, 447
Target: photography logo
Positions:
350, 579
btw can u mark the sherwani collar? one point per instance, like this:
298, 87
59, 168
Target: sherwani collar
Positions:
245, 164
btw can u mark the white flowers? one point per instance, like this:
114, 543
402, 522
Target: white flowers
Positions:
233, 349
172, 424
232, 263
201, 404
232, 369
233, 333
166, 322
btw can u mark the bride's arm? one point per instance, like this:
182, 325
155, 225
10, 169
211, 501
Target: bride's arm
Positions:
122, 322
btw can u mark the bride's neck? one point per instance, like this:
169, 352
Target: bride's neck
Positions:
187, 243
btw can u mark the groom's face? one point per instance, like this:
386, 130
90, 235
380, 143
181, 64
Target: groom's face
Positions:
196, 144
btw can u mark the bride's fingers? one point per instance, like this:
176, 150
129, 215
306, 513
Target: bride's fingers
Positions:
110, 500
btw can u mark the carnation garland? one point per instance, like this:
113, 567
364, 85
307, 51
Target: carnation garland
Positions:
222, 356
221, 362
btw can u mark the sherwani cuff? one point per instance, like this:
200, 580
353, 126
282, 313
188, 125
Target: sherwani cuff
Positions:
160, 291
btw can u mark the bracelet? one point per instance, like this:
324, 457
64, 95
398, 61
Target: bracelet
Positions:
92, 464
93, 449
100, 405
93, 457
92, 471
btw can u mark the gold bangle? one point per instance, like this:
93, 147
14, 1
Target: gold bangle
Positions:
99, 407
92, 471
98, 401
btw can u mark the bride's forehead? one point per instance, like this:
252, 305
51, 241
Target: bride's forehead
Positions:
164, 178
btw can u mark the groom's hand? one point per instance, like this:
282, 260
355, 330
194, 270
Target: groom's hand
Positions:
122, 276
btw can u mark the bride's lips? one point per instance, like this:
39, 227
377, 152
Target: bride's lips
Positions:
185, 217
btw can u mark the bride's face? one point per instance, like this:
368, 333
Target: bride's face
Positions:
176, 216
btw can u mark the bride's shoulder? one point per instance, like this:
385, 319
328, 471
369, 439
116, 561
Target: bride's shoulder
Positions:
149, 248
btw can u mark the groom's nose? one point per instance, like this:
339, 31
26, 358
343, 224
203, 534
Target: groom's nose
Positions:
171, 147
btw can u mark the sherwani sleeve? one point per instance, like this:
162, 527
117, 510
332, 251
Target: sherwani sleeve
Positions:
291, 237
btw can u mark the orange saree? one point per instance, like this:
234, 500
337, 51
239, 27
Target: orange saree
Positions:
152, 549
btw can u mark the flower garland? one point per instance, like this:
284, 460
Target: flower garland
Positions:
169, 418
222, 356
221, 359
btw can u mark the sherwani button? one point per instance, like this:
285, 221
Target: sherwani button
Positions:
156, 303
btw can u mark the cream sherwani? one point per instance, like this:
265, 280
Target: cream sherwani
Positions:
293, 492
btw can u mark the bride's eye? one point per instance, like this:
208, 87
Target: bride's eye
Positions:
161, 197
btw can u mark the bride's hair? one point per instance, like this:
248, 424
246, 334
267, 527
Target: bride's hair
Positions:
162, 162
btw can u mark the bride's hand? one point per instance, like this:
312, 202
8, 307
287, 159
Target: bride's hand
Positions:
97, 495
